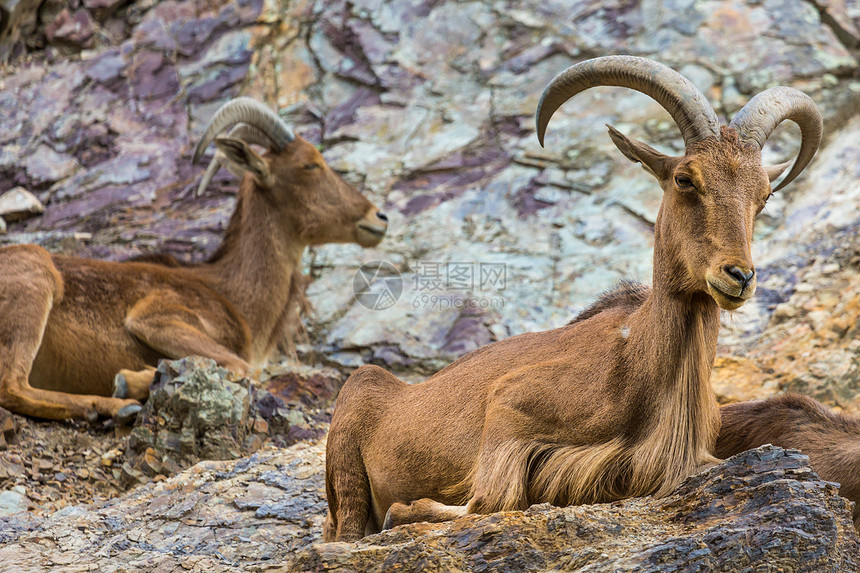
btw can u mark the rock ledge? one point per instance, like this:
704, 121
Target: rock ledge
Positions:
764, 509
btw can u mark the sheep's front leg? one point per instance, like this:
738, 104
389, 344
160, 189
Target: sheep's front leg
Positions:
165, 324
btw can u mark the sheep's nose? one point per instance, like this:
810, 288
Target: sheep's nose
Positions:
742, 275
382, 216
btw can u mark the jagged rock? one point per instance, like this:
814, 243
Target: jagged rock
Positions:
17, 20
103, 9
761, 509
44, 165
196, 410
8, 427
308, 386
199, 411
18, 204
242, 515
844, 17
444, 139
13, 501
74, 29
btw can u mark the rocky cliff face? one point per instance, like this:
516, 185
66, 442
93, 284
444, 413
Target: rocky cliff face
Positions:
428, 106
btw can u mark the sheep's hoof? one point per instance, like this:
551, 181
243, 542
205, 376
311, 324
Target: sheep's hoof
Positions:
91, 416
120, 386
127, 414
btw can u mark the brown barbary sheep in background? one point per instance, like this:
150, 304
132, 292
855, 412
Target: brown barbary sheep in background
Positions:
831, 440
615, 405
70, 325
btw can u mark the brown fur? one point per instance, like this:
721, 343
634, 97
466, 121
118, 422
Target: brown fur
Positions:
615, 404
831, 440
70, 325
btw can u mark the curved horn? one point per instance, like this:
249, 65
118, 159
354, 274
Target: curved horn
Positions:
243, 131
252, 112
760, 116
684, 102
250, 134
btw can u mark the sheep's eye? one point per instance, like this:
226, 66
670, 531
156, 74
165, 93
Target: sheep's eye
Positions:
684, 182
311, 166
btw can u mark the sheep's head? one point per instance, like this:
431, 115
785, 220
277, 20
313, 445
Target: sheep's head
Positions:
713, 192
315, 203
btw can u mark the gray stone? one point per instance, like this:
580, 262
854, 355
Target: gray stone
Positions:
44, 165
204, 519
18, 203
195, 411
13, 501
199, 411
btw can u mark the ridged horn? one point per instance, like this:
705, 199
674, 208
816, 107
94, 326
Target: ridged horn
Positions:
247, 133
685, 103
760, 116
252, 112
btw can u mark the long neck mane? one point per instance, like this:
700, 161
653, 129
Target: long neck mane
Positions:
257, 268
673, 342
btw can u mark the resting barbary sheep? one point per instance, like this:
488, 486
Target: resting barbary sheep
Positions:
617, 404
71, 324
831, 440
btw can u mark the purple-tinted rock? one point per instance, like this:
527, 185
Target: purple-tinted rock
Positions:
339, 51
153, 34
527, 203
469, 332
270, 407
153, 76
45, 165
107, 68
103, 8
530, 56
344, 113
310, 387
843, 17
215, 87
192, 35
375, 47
73, 29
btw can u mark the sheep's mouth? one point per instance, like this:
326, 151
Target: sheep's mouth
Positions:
372, 231
725, 300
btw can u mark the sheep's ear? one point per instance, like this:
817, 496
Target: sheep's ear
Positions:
654, 162
774, 171
239, 156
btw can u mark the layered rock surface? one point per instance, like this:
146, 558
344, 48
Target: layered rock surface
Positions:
763, 508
